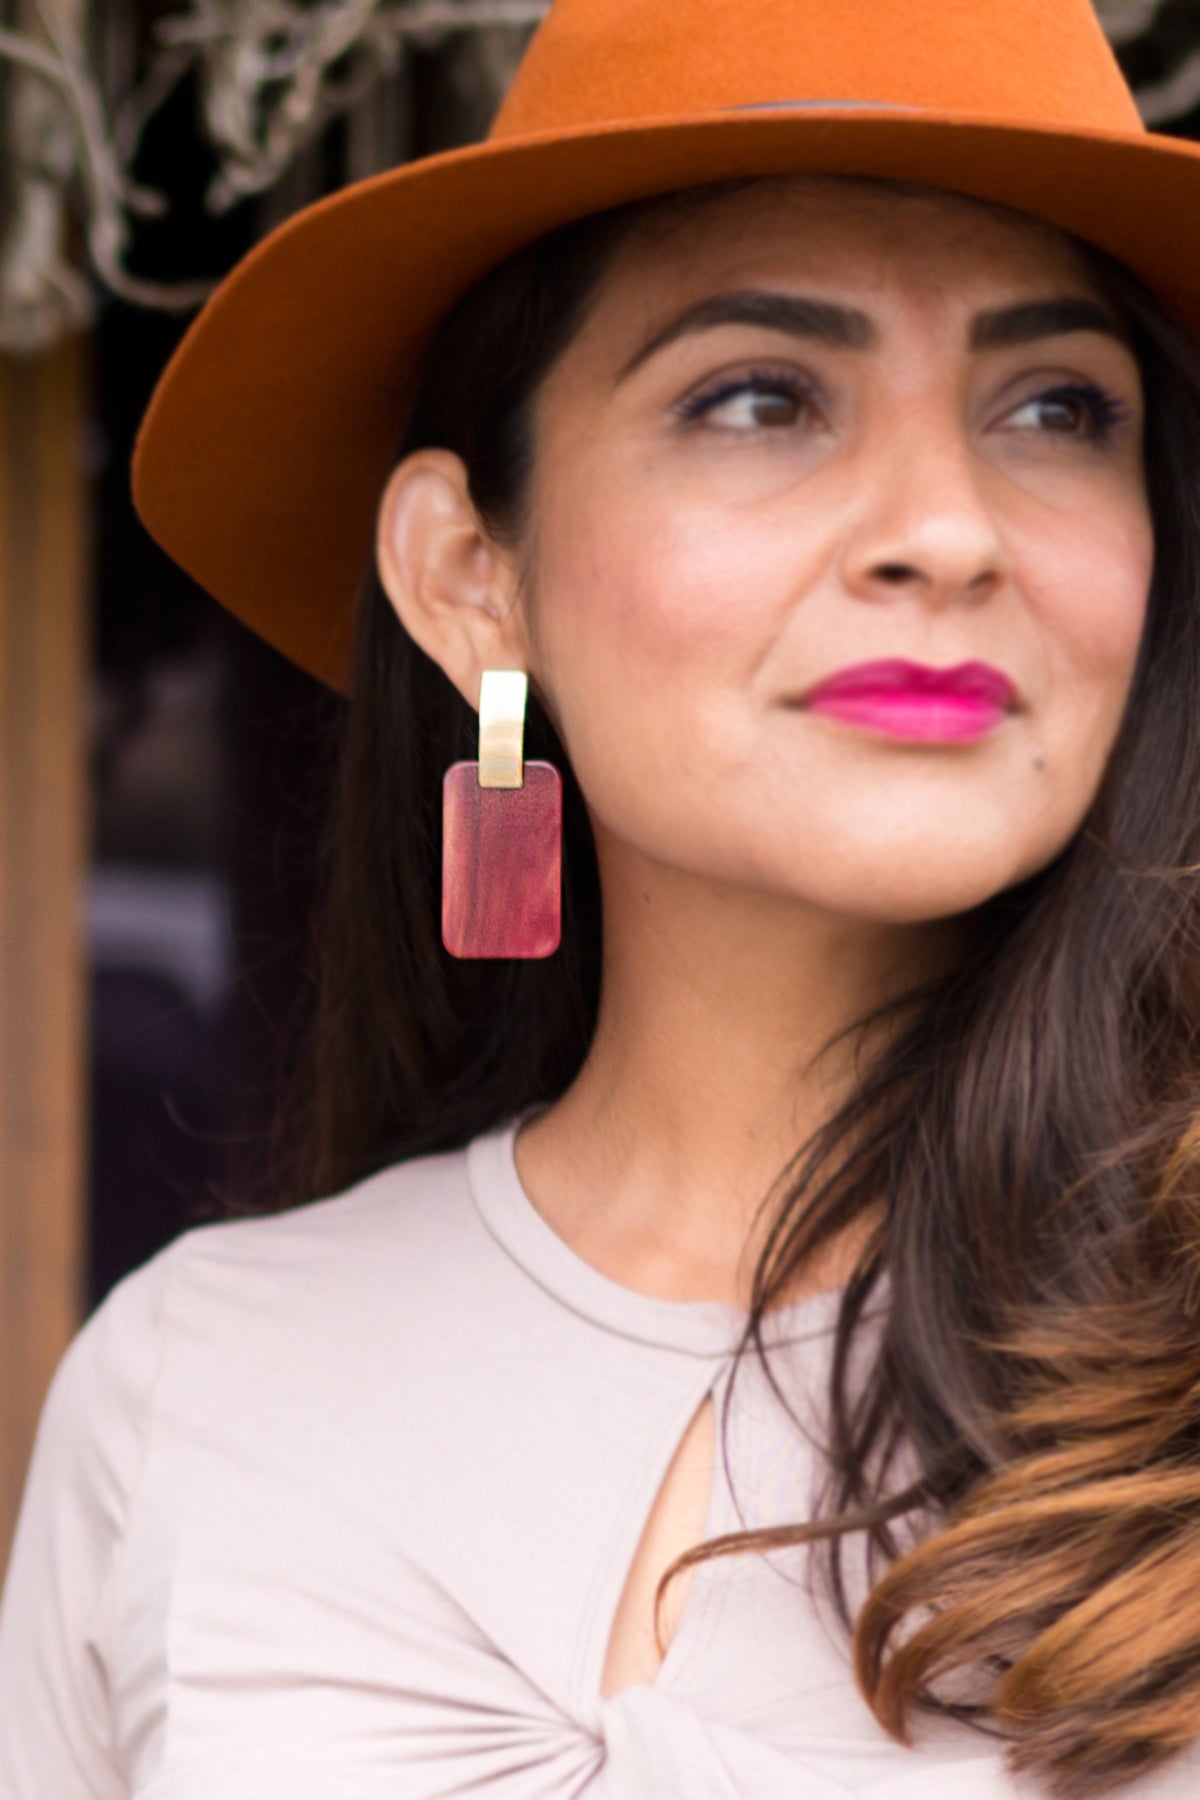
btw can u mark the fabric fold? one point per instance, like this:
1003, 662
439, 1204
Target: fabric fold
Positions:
656, 1744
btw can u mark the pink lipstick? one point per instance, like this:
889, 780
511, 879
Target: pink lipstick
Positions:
911, 700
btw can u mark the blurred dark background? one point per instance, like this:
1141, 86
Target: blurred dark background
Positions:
206, 745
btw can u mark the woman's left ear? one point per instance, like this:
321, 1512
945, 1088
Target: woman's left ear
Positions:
454, 589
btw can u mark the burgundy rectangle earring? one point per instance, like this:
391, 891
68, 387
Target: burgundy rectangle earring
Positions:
501, 836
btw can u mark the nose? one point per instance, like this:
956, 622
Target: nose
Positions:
924, 526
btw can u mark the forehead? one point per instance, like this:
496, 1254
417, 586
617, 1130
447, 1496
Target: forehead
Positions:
838, 234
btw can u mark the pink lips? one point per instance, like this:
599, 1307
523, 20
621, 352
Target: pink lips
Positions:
911, 700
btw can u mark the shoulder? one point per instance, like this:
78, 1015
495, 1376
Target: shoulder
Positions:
245, 1348
406, 1219
374, 1271
55, 1611
226, 1286
92, 1421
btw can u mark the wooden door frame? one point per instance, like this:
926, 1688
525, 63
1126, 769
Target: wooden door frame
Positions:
43, 853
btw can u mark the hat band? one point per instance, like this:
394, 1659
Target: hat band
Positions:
800, 105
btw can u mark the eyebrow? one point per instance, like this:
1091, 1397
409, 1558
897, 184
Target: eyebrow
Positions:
847, 328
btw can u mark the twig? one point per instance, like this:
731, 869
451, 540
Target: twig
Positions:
272, 75
1175, 97
1124, 20
136, 111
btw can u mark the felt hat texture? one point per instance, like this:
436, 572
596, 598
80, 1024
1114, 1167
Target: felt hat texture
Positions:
263, 454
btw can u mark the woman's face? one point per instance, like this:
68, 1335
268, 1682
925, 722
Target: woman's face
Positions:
815, 425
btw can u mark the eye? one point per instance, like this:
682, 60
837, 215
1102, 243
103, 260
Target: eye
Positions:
1079, 410
758, 401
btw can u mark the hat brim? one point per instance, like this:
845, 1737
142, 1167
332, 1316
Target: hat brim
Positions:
265, 448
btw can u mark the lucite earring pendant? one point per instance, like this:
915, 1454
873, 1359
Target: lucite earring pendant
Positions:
501, 836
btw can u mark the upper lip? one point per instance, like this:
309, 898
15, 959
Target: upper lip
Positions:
974, 680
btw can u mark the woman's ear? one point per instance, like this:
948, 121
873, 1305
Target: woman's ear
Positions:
454, 589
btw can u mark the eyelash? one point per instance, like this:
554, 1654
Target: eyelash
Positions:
757, 381
1106, 412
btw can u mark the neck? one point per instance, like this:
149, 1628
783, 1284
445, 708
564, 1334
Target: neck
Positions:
706, 1075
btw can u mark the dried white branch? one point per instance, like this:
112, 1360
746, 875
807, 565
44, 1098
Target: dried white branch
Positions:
138, 108
271, 76
426, 22
23, 51
1175, 97
260, 137
214, 22
62, 137
108, 184
1124, 20
276, 74
41, 295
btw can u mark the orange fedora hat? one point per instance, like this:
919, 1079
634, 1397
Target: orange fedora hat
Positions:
268, 441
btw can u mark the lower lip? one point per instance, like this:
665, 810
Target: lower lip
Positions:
921, 717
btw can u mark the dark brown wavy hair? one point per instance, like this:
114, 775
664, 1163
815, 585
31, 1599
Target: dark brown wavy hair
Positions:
1032, 1121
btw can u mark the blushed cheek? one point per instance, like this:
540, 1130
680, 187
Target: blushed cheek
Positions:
652, 623
600, 650
1095, 608
659, 596
1121, 621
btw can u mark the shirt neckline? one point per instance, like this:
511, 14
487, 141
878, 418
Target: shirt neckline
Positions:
697, 1327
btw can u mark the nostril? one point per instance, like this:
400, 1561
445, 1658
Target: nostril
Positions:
895, 572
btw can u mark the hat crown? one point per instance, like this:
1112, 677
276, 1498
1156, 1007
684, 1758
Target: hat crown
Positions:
1043, 62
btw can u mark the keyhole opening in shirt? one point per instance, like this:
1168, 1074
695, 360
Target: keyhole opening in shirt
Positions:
676, 1521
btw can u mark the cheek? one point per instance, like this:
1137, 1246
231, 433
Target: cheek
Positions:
652, 615
1089, 587
672, 584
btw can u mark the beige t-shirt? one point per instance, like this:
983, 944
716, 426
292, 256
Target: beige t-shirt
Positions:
339, 1504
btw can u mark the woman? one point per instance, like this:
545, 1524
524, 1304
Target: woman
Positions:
827, 1196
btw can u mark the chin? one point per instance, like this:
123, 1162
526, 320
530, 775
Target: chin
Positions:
906, 890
